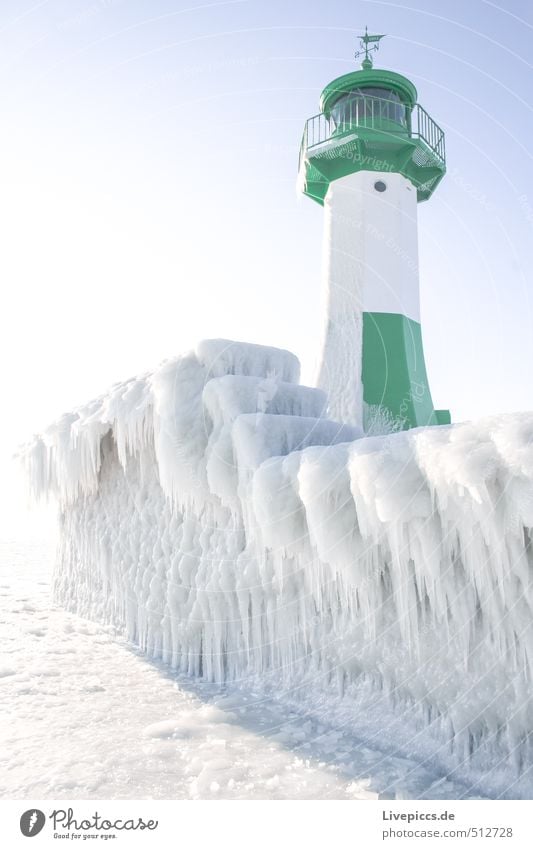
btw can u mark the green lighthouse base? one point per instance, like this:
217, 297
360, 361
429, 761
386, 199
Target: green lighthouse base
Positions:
395, 383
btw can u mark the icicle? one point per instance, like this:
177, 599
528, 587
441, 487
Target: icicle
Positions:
213, 515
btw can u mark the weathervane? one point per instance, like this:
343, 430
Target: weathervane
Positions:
364, 41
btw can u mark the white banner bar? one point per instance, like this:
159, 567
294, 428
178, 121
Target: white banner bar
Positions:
267, 825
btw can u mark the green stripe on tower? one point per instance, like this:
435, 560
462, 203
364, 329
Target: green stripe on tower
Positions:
394, 372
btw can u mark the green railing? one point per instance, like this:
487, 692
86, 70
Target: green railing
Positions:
387, 117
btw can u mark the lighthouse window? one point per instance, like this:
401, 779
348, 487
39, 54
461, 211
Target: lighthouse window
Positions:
370, 107
380, 186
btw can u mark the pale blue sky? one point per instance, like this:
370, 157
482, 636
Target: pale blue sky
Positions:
147, 188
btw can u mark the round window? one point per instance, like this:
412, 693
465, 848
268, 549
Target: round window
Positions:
380, 186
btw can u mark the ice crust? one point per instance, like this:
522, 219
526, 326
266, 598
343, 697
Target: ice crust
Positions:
211, 512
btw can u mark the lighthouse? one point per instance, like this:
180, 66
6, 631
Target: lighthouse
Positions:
369, 157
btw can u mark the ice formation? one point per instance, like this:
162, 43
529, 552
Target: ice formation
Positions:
213, 513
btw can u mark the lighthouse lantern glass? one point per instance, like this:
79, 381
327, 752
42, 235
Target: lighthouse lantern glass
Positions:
369, 106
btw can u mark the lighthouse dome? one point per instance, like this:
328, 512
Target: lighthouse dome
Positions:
373, 82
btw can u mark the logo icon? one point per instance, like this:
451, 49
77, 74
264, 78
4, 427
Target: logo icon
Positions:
32, 822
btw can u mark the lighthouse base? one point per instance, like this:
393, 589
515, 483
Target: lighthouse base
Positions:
396, 392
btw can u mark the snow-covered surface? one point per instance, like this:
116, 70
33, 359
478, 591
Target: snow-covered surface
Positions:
384, 576
86, 716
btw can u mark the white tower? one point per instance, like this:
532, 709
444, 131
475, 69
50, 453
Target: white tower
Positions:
369, 156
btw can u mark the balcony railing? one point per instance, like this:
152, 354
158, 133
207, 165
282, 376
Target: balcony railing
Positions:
388, 117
